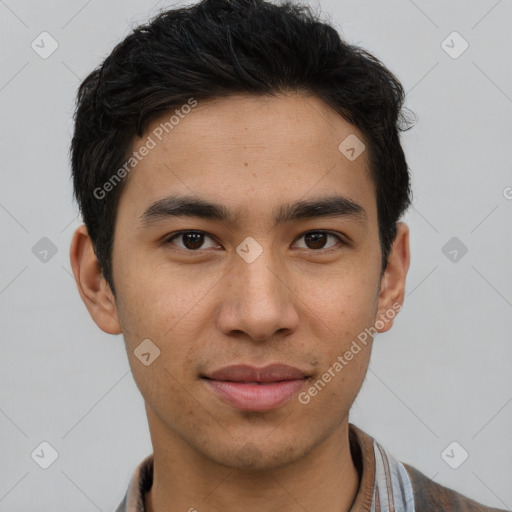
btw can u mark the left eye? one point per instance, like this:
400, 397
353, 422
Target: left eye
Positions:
318, 239
194, 240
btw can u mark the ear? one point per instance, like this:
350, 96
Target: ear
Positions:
92, 286
392, 285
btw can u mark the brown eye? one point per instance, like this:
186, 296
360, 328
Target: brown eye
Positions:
316, 240
191, 240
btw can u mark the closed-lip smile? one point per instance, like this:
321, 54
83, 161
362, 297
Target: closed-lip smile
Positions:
256, 389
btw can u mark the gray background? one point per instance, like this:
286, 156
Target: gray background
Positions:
441, 375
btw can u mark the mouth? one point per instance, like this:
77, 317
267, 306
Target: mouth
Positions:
249, 388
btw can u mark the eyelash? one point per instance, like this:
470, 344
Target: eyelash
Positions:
177, 234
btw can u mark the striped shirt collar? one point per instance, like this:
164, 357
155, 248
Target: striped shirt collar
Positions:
384, 485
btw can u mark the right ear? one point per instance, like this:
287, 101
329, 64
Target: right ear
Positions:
92, 286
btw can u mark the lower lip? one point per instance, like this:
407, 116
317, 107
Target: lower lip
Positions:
256, 397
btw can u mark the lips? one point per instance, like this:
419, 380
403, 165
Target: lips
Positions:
246, 373
256, 389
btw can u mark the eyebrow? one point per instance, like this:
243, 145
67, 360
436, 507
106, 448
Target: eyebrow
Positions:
187, 206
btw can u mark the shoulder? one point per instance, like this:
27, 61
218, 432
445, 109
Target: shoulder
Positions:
429, 495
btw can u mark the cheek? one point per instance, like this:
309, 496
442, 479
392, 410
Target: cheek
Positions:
157, 298
343, 309
167, 307
344, 366
152, 312
345, 301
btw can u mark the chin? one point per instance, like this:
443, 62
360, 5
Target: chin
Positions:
255, 457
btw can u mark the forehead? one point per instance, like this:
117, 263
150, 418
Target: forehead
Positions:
249, 152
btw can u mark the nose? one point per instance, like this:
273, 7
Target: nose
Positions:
258, 300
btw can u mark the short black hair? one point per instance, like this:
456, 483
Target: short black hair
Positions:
214, 49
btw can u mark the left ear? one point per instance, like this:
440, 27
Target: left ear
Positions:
392, 285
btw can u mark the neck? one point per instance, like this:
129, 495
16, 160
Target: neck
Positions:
325, 479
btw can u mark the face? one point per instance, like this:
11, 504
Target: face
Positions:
243, 289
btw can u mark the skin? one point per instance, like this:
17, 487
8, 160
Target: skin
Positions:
298, 303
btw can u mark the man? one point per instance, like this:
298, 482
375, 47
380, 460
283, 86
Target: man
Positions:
241, 179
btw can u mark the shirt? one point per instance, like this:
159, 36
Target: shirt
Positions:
385, 484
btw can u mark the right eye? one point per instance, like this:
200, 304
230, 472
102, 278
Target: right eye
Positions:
191, 240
